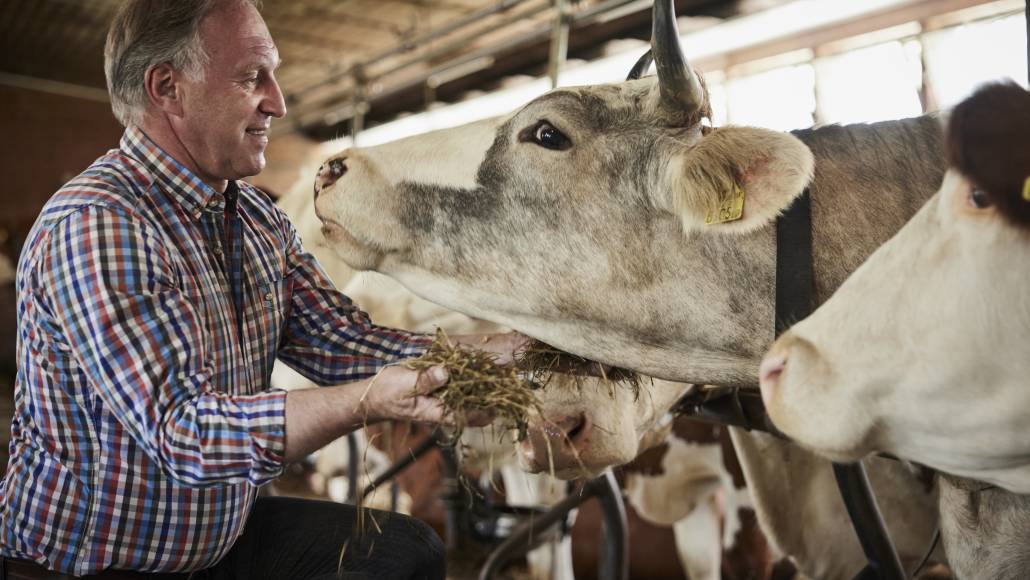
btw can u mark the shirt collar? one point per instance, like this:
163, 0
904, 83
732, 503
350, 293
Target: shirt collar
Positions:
194, 194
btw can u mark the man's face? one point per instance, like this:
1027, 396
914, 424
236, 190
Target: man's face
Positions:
226, 115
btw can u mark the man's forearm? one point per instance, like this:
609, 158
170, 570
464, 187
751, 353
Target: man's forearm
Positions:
316, 417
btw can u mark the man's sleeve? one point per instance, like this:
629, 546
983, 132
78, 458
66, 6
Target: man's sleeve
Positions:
328, 339
140, 343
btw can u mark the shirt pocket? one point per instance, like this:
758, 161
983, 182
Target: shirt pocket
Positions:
266, 319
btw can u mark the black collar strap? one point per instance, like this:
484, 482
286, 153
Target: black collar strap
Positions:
794, 279
795, 286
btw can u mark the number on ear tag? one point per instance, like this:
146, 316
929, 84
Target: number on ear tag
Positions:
730, 209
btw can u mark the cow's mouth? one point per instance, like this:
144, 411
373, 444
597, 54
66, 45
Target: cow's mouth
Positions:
356, 253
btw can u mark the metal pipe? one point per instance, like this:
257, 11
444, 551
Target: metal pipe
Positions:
54, 87
559, 42
354, 468
586, 16
520, 539
501, 6
614, 560
413, 454
867, 520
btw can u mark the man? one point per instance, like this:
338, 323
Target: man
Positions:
155, 291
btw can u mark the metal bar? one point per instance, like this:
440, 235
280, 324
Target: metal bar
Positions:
615, 558
501, 6
492, 51
614, 563
463, 42
868, 523
353, 468
559, 42
457, 528
413, 454
518, 542
54, 87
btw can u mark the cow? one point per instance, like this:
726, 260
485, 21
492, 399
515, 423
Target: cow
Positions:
921, 352
934, 321
613, 222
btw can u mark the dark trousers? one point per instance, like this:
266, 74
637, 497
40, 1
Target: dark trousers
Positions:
301, 539
296, 539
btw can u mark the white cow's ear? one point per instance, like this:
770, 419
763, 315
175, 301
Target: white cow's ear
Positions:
736, 179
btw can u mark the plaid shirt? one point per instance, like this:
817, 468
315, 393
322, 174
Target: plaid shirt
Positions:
151, 309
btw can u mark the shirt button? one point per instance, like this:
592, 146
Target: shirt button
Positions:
268, 297
218, 251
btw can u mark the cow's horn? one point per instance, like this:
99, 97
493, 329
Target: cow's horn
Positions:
680, 90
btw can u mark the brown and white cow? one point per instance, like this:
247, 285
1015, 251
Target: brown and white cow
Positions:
593, 218
922, 352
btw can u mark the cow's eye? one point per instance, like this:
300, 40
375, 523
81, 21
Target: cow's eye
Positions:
979, 199
546, 135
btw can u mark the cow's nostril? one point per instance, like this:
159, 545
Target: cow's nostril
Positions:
770, 370
337, 168
579, 426
329, 172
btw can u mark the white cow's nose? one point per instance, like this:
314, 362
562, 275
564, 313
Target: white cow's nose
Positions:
769, 372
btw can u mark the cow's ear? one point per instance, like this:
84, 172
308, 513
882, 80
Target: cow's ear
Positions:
736, 179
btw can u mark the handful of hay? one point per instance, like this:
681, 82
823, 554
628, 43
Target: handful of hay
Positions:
478, 382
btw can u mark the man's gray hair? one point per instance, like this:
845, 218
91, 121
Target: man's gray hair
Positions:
149, 32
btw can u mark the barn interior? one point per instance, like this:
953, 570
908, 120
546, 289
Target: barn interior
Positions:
365, 72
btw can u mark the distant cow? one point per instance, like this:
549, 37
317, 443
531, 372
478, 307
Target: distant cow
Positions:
612, 222
923, 351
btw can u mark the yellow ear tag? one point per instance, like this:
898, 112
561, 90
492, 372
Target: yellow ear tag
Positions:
730, 209
1026, 189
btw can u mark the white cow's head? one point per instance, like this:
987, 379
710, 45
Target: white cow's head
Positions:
545, 220
590, 426
925, 350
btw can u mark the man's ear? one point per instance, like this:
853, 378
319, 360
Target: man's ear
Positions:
736, 179
164, 92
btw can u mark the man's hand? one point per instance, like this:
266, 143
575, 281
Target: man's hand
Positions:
399, 393
506, 345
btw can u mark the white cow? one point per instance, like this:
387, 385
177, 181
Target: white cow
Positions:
527, 480
922, 352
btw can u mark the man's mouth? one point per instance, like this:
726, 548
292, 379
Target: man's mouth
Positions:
257, 131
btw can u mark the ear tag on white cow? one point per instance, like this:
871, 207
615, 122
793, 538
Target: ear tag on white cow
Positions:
730, 209
1026, 189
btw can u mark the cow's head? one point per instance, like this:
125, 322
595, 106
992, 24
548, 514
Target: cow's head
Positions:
923, 351
588, 425
569, 219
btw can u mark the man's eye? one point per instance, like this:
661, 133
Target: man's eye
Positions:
546, 135
979, 199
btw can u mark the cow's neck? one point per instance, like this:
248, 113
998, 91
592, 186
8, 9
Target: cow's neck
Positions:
869, 180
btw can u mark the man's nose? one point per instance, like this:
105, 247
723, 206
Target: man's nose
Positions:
329, 173
274, 103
